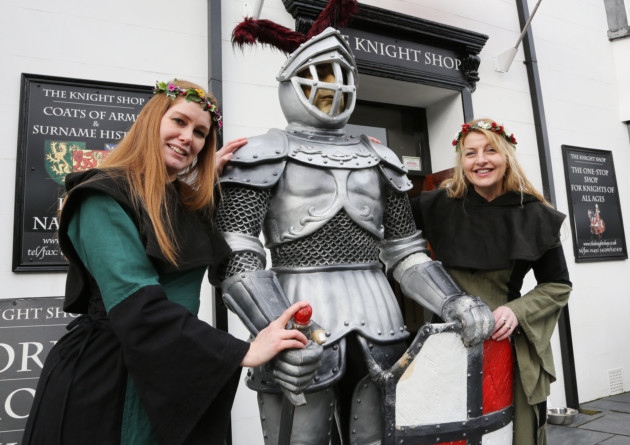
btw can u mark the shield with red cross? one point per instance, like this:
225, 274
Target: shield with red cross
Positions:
442, 392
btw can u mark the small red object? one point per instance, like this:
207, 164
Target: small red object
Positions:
303, 316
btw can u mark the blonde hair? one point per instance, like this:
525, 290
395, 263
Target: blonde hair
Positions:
138, 157
514, 179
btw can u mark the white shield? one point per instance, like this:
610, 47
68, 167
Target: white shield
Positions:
441, 392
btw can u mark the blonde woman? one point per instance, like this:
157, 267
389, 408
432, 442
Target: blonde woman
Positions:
489, 227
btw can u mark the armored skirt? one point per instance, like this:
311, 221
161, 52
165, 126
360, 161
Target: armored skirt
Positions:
488, 248
138, 367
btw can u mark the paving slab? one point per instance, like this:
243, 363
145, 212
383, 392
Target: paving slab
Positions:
614, 423
563, 435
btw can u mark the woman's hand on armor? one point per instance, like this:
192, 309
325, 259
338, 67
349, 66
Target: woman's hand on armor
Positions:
226, 152
505, 322
275, 338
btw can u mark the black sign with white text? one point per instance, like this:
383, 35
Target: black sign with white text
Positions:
29, 328
66, 125
596, 220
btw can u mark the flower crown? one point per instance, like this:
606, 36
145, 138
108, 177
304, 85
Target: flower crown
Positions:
484, 125
170, 89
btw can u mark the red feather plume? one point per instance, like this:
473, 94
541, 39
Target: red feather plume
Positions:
266, 32
337, 14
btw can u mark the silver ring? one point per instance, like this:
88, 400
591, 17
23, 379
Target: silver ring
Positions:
503, 318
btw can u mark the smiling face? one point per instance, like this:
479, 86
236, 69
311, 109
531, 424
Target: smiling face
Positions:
484, 166
183, 131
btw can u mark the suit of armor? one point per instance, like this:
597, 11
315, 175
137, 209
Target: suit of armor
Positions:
333, 210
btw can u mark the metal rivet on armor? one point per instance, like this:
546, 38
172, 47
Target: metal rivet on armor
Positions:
277, 152
326, 161
438, 427
248, 180
346, 323
314, 84
335, 370
265, 181
310, 158
316, 379
379, 332
335, 347
362, 322
327, 334
468, 375
358, 400
231, 177
370, 346
275, 173
391, 332
402, 328
354, 431
356, 417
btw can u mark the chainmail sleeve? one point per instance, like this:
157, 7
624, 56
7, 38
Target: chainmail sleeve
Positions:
398, 219
242, 210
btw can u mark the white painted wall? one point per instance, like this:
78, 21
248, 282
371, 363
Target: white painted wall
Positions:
584, 83
136, 42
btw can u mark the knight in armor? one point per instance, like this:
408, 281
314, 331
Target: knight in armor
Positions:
336, 219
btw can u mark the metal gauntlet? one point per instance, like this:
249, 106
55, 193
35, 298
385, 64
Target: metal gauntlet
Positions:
431, 286
256, 297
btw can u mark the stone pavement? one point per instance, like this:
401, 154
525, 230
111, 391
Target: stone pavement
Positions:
604, 421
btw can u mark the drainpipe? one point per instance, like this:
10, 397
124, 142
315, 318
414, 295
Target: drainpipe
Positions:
540, 121
215, 87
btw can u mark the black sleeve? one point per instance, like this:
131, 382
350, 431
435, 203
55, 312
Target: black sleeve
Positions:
181, 365
552, 267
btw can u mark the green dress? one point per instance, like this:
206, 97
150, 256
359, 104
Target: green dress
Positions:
139, 367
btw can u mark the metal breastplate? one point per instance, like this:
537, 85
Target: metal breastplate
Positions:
318, 182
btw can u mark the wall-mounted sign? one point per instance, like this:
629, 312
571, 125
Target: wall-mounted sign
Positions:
65, 125
403, 54
594, 208
29, 328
